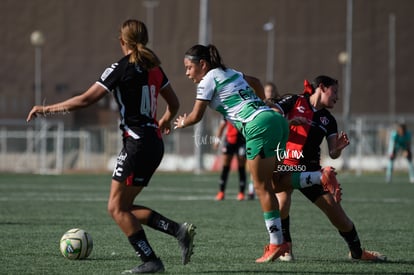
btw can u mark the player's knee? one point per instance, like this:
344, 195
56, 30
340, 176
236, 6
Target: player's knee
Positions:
113, 210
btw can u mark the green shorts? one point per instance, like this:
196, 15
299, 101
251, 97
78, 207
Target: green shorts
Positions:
266, 135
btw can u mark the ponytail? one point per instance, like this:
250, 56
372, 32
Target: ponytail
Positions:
134, 33
144, 57
215, 58
208, 53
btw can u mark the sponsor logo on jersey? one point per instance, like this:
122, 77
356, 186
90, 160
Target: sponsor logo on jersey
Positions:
108, 71
324, 120
138, 68
301, 109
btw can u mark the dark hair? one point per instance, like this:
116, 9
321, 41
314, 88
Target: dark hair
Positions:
324, 80
403, 127
208, 53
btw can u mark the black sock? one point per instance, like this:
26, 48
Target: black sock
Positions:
286, 229
242, 179
352, 240
141, 246
223, 178
163, 224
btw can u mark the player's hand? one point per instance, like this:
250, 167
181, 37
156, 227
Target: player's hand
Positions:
342, 141
216, 143
165, 126
179, 122
35, 112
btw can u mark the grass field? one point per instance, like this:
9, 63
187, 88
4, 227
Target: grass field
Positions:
36, 210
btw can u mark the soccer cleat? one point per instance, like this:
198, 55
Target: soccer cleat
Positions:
220, 196
251, 191
154, 266
330, 183
372, 256
288, 255
272, 252
185, 237
240, 196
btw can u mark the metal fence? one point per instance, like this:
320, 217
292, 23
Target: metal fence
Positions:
48, 148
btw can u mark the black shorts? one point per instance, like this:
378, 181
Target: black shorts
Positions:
238, 148
395, 152
313, 192
139, 158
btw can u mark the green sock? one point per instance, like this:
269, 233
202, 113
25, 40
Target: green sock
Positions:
296, 180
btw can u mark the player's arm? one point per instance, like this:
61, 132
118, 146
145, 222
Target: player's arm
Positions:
171, 110
195, 116
219, 133
221, 128
256, 85
259, 91
336, 143
408, 141
90, 96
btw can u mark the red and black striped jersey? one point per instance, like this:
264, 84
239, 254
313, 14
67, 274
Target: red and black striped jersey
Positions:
303, 146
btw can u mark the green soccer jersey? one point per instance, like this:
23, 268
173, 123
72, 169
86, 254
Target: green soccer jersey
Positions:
398, 142
230, 94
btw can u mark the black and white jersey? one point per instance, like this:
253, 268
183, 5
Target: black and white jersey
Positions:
135, 91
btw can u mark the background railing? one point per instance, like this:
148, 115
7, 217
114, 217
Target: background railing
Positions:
48, 148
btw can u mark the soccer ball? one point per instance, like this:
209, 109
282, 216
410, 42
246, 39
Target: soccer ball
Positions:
76, 244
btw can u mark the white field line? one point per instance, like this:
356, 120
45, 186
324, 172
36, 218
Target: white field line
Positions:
163, 196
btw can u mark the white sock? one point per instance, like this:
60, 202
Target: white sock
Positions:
310, 178
274, 228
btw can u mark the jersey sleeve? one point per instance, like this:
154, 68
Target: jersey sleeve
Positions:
164, 81
109, 79
206, 88
332, 127
287, 103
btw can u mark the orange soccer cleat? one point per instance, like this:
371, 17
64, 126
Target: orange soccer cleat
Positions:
272, 252
240, 196
220, 196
